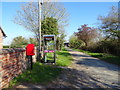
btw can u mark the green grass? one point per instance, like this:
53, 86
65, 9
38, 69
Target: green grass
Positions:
64, 58
103, 56
42, 73
39, 74
50, 56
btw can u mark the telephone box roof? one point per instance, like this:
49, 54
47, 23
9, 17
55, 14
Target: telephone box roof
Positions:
48, 36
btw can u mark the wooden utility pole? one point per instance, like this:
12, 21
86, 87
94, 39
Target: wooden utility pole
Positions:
39, 23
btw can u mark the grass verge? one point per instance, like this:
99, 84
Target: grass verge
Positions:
41, 73
63, 58
103, 56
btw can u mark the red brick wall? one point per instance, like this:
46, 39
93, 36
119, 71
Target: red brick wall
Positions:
12, 63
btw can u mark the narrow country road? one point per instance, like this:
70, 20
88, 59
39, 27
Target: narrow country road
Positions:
85, 72
97, 73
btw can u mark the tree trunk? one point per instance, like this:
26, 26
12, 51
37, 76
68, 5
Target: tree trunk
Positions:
86, 44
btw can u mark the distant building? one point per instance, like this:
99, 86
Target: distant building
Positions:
66, 44
2, 34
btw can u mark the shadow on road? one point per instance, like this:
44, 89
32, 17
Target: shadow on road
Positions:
93, 62
73, 78
86, 60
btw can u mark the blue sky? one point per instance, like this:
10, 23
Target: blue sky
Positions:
80, 13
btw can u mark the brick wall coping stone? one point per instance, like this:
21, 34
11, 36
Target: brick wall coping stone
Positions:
11, 50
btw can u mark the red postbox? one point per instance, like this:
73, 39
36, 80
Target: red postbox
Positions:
30, 53
30, 49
